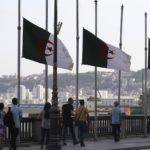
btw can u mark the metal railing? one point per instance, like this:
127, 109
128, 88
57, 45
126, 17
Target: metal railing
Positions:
131, 125
25, 130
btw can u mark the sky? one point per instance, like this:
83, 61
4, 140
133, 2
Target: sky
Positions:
109, 12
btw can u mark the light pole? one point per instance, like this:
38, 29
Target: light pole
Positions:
54, 142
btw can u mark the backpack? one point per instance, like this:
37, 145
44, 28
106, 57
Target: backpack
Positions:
8, 119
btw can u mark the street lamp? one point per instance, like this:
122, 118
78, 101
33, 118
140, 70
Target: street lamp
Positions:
54, 141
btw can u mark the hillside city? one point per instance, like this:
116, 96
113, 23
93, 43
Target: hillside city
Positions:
32, 89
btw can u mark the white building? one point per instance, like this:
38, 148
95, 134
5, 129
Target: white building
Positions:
102, 93
29, 94
22, 92
63, 96
40, 92
50, 94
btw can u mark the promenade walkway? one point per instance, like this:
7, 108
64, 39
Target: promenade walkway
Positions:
102, 144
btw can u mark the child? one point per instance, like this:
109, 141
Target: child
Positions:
45, 125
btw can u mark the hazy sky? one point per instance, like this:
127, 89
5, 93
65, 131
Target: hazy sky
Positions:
108, 29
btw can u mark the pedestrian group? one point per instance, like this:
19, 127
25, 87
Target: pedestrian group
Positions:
70, 120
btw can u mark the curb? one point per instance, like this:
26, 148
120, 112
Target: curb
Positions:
133, 148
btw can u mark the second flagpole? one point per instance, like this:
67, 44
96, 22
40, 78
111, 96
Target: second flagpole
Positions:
77, 51
95, 116
120, 46
145, 92
19, 37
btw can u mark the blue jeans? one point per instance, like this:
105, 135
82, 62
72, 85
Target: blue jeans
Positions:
68, 124
82, 130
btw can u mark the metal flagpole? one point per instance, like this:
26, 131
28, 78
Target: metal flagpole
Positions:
95, 117
77, 50
120, 46
19, 43
46, 66
145, 92
19, 36
143, 70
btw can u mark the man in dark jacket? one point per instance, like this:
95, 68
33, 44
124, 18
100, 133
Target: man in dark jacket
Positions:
67, 113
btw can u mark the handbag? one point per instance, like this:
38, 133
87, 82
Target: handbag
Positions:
77, 118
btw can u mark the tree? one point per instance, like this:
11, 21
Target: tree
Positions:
142, 98
139, 102
92, 98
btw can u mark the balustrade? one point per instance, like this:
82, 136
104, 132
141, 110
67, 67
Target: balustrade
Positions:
131, 125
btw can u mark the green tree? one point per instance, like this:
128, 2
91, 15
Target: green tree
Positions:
142, 98
92, 98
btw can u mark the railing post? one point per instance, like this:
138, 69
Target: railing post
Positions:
54, 141
36, 129
123, 126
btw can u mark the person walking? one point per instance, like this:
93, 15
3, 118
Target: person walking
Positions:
116, 121
82, 116
67, 113
2, 113
14, 130
45, 124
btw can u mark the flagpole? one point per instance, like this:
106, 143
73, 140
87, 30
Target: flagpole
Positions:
120, 46
143, 70
95, 117
19, 66
19, 36
77, 50
46, 66
145, 92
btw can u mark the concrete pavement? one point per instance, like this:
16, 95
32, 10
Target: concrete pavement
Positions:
103, 144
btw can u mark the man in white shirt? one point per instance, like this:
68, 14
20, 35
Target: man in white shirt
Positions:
14, 131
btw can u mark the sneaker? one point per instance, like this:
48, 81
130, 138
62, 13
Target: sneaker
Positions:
82, 145
76, 142
64, 144
10, 148
46, 147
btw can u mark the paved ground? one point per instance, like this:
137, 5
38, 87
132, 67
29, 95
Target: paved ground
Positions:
103, 144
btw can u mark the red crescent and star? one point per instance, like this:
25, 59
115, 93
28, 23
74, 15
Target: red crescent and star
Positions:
50, 49
102, 52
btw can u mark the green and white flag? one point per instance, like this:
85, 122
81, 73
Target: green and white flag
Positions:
38, 45
97, 53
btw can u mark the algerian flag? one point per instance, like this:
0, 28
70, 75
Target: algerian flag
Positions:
38, 45
98, 53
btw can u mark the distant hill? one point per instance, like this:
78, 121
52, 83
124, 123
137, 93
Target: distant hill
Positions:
131, 81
